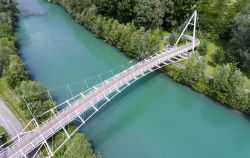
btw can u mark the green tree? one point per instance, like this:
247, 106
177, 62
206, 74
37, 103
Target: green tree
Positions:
4, 61
176, 11
228, 86
97, 26
202, 48
193, 72
35, 97
149, 14
115, 32
219, 56
125, 38
239, 48
106, 7
125, 10
16, 72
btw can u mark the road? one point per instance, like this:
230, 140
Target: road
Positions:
9, 121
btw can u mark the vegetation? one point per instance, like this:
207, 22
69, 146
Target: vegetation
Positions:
77, 147
239, 48
4, 136
20, 93
136, 27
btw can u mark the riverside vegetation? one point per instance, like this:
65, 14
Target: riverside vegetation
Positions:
137, 28
17, 88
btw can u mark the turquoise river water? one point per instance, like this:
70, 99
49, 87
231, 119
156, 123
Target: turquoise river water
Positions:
154, 118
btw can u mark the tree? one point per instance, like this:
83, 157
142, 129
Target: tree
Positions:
202, 48
219, 56
35, 97
149, 14
176, 11
132, 50
97, 26
16, 72
123, 43
106, 7
194, 72
155, 41
4, 61
239, 48
173, 38
125, 10
228, 86
115, 32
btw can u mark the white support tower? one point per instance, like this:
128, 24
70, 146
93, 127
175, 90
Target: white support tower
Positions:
191, 22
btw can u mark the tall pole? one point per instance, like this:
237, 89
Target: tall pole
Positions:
194, 31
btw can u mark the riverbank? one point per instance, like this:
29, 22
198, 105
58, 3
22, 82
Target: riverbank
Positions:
23, 96
138, 43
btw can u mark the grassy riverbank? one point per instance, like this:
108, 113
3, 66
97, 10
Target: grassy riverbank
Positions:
20, 93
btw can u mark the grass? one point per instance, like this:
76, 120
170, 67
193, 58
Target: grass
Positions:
211, 50
11, 100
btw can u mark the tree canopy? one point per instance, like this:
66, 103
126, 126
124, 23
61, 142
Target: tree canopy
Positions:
239, 47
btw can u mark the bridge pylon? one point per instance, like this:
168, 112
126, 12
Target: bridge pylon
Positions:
191, 22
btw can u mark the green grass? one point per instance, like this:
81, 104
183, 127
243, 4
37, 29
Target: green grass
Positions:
10, 98
211, 50
166, 33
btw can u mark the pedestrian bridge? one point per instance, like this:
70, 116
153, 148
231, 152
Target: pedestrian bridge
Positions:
90, 102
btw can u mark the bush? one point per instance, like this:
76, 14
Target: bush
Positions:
219, 56
202, 49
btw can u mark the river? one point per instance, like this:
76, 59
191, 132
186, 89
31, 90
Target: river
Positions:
154, 118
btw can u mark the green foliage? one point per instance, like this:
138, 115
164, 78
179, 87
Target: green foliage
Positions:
81, 150
202, 48
176, 11
219, 57
35, 97
106, 7
228, 87
16, 72
239, 48
4, 62
173, 38
216, 17
125, 10
193, 72
4, 136
77, 147
148, 14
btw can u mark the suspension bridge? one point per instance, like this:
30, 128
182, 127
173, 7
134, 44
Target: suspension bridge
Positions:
83, 106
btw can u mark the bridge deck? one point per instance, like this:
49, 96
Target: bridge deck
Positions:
34, 139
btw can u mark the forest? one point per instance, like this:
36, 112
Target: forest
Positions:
138, 28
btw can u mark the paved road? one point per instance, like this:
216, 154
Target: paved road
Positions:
9, 121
